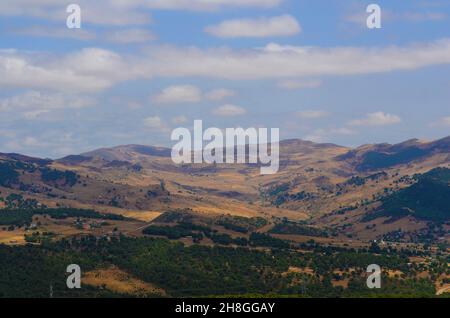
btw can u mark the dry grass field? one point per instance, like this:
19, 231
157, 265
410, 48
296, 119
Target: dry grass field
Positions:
121, 282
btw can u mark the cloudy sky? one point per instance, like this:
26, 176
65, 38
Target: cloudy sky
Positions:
139, 68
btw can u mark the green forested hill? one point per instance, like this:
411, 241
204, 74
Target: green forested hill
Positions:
428, 199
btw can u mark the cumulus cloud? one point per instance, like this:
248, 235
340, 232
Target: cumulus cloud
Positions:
190, 94
229, 110
51, 142
154, 122
312, 114
119, 12
99, 63
284, 25
219, 94
322, 135
120, 36
376, 119
102, 12
95, 69
178, 94
203, 5
278, 61
32, 104
85, 70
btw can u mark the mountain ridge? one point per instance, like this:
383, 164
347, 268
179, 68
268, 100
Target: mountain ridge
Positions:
326, 185
165, 151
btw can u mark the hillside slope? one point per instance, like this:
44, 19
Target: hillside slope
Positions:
324, 184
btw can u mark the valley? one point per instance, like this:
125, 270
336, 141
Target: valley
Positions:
327, 203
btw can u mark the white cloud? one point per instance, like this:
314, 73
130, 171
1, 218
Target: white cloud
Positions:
108, 13
85, 70
121, 36
316, 136
277, 61
99, 63
207, 5
322, 135
179, 94
229, 110
219, 94
102, 12
312, 114
443, 122
190, 94
284, 25
55, 32
376, 119
32, 104
390, 16
179, 120
52, 142
130, 36
95, 69
299, 84
32, 142
154, 122
119, 12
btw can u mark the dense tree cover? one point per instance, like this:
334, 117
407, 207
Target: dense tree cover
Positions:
241, 224
409, 287
66, 177
37, 237
359, 181
427, 235
225, 239
198, 232
427, 199
175, 216
438, 175
232, 226
261, 239
375, 160
17, 201
32, 271
287, 227
356, 181
8, 174
310, 286
11, 170
280, 194
197, 270
178, 231
21, 217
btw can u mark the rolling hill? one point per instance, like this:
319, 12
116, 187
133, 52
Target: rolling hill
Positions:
325, 185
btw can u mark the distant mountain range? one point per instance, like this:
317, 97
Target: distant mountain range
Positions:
365, 192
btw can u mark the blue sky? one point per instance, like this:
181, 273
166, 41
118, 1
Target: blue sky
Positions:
138, 69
